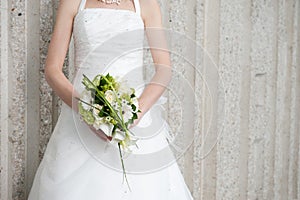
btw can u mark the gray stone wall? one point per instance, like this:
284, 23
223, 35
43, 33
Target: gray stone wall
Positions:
249, 118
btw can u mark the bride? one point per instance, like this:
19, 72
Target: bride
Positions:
103, 30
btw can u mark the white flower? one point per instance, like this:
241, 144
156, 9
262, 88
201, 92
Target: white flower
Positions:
86, 96
110, 96
124, 102
96, 109
97, 123
128, 143
119, 135
127, 112
118, 94
115, 105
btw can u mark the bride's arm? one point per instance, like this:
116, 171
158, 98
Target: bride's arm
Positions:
57, 51
161, 57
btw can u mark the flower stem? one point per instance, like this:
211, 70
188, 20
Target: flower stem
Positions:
123, 167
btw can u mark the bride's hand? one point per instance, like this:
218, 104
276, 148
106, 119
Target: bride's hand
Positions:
100, 134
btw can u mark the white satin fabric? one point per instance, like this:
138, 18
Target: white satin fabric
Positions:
77, 164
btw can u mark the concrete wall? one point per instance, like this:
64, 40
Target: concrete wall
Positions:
250, 114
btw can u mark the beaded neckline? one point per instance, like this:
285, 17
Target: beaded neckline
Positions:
110, 10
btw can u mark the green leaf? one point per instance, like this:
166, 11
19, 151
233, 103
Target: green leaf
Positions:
132, 96
133, 107
134, 116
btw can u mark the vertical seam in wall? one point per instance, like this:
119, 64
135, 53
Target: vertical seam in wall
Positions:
297, 130
272, 187
292, 142
210, 106
198, 122
203, 102
244, 150
188, 156
277, 189
55, 98
26, 97
32, 93
297, 99
5, 186
288, 81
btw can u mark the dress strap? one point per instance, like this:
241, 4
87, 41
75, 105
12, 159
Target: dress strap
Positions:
82, 5
137, 6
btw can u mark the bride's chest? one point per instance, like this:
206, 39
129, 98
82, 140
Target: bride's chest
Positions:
97, 25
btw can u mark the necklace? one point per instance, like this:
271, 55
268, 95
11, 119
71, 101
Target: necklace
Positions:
111, 1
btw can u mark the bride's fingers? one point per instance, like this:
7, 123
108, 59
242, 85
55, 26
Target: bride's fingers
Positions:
100, 134
135, 122
109, 138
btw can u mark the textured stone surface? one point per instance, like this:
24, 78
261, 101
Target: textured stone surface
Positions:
230, 69
4, 173
295, 117
16, 98
177, 23
198, 181
261, 110
244, 113
283, 100
46, 98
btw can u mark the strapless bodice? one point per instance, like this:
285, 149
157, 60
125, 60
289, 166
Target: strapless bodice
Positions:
109, 41
110, 33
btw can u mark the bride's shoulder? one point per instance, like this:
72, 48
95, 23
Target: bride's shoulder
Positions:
69, 7
150, 9
149, 5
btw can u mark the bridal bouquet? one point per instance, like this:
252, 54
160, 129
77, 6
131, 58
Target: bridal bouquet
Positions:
108, 104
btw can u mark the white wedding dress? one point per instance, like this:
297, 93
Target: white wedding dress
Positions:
77, 164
